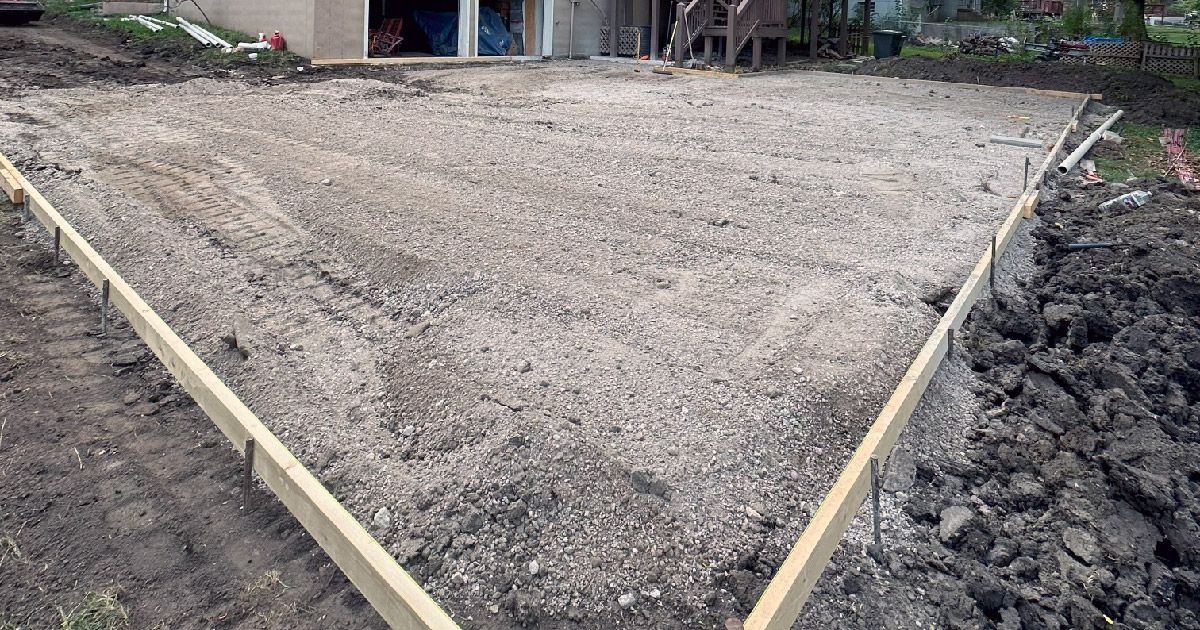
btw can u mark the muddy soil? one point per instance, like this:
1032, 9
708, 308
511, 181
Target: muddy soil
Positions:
1146, 98
1075, 503
111, 478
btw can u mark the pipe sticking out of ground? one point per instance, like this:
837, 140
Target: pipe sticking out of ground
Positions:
1082, 150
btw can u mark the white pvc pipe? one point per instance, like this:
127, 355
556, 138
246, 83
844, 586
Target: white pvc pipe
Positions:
162, 22
1082, 150
216, 40
148, 24
195, 35
204, 35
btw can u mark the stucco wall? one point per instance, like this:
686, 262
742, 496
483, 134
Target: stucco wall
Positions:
292, 18
338, 29
587, 27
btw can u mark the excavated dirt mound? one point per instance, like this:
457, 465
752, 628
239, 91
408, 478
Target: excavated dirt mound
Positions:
1147, 98
1075, 505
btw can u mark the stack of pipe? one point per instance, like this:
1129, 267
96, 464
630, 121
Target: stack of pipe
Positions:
201, 35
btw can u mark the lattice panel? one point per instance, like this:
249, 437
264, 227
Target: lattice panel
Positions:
629, 40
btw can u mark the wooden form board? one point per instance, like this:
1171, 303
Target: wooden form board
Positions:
11, 188
785, 596
399, 600
400, 61
977, 86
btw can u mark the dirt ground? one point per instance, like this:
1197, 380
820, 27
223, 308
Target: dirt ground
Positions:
583, 347
1147, 98
111, 478
1053, 483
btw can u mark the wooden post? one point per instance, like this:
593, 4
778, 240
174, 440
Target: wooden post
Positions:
844, 29
781, 60
654, 24
814, 15
680, 32
756, 54
708, 50
866, 29
731, 38
614, 31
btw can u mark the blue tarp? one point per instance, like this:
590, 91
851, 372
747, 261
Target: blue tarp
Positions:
493, 37
1099, 39
441, 29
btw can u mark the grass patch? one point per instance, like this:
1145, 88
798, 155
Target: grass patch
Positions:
941, 52
1141, 154
172, 38
1184, 83
99, 611
1178, 35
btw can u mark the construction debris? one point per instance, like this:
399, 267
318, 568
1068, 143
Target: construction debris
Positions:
989, 45
1178, 161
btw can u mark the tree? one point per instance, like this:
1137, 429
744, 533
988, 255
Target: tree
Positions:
1133, 23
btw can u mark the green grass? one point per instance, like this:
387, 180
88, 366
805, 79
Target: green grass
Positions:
99, 611
1143, 155
939, 52
1184, 83
1177, 35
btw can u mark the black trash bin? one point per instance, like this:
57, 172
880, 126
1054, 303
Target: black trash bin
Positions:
887, 43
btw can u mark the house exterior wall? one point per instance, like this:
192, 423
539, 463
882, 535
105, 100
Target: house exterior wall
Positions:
339, 29
588, 21
317, 29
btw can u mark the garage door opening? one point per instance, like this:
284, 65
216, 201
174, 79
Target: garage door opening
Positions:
434, 29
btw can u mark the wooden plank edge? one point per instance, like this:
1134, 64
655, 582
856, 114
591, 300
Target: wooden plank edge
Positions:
705, 73
781, 602
1015, 89
12, 189
397, 597
400, 61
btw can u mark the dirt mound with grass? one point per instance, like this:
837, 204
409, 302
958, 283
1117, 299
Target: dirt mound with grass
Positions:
1147, 98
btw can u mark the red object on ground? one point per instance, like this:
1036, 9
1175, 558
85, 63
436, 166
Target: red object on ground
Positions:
277, 42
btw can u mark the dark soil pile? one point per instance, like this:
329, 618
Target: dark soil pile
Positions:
1077, 505
1147, 98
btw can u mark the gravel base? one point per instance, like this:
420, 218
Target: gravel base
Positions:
583, 347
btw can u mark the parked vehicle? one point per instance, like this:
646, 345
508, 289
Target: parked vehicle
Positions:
14, 12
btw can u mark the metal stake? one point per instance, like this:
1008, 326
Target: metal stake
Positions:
992, 266
1026, 174
875, 497
26, 215
247, 473
57, 242
949, 342
104, 307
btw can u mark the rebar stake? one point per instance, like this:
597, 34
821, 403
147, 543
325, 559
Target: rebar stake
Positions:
104, 307
57, 243
875, 498
992, 266
26, 215
1026, 174
247, 473
949, 342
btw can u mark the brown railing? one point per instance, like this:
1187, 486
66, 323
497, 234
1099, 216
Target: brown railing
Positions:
739, 22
